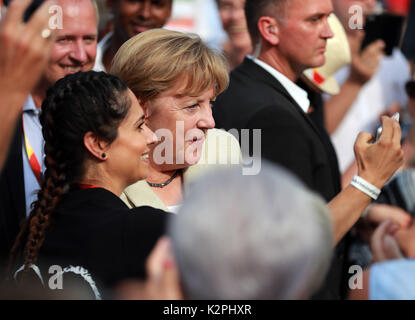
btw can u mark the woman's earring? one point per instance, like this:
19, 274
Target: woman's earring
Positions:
103, 156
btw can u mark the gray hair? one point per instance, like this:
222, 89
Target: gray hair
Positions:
251, 237
95, 5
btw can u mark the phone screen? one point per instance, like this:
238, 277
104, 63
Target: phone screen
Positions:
387, 27
396, 116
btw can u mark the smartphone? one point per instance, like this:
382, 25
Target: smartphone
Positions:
379, 130
30, 10
387, 27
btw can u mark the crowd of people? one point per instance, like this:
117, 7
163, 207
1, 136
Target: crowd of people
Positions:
123, 159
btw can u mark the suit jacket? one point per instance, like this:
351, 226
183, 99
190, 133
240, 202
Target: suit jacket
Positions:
256, 100
12, 197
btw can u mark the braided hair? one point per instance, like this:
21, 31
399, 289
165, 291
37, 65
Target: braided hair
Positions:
79, 103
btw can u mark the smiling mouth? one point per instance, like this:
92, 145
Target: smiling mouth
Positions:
72, 69
238, 29
140, 28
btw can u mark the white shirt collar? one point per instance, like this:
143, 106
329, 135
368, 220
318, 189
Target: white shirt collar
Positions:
103, 45
298, 94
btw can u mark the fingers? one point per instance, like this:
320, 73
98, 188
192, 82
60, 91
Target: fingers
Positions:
170, 282
162, 274
391, 135
374, 49
39, 21
355, 41
378, 45
387, 129
154, 264
384, 228
360, 35
15, 12
391, 248
377, 240
361, 144
380, 212
397, 133
371, 55
362, 140
393, 108
401, 217
406, 240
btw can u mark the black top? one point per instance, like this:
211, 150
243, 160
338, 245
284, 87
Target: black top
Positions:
256, 100
12, 197
95, 230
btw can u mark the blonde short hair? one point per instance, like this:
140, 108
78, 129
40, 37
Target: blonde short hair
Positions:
154, 61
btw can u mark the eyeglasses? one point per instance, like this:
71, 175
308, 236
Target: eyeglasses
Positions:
410, 88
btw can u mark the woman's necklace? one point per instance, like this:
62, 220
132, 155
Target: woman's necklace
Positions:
162, 185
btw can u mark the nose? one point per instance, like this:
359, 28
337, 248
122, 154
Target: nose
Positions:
151, 137
327, 33
206, 121
78, 52
145, 10
234, 13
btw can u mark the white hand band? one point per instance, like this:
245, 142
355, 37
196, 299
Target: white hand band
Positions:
365, 187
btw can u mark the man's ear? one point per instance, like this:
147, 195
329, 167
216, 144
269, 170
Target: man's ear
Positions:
96, 146
269, 29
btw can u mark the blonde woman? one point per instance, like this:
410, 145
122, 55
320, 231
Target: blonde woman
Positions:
176, 77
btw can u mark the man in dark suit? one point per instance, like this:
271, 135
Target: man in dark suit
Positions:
290, 36
73, 51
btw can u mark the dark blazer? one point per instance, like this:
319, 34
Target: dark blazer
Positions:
12, 197
256, 100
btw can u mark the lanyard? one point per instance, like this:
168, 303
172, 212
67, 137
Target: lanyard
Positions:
34, 163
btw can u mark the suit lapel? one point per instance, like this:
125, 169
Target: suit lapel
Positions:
252, 70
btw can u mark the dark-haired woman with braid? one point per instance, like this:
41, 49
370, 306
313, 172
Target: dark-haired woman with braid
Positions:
96, 144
